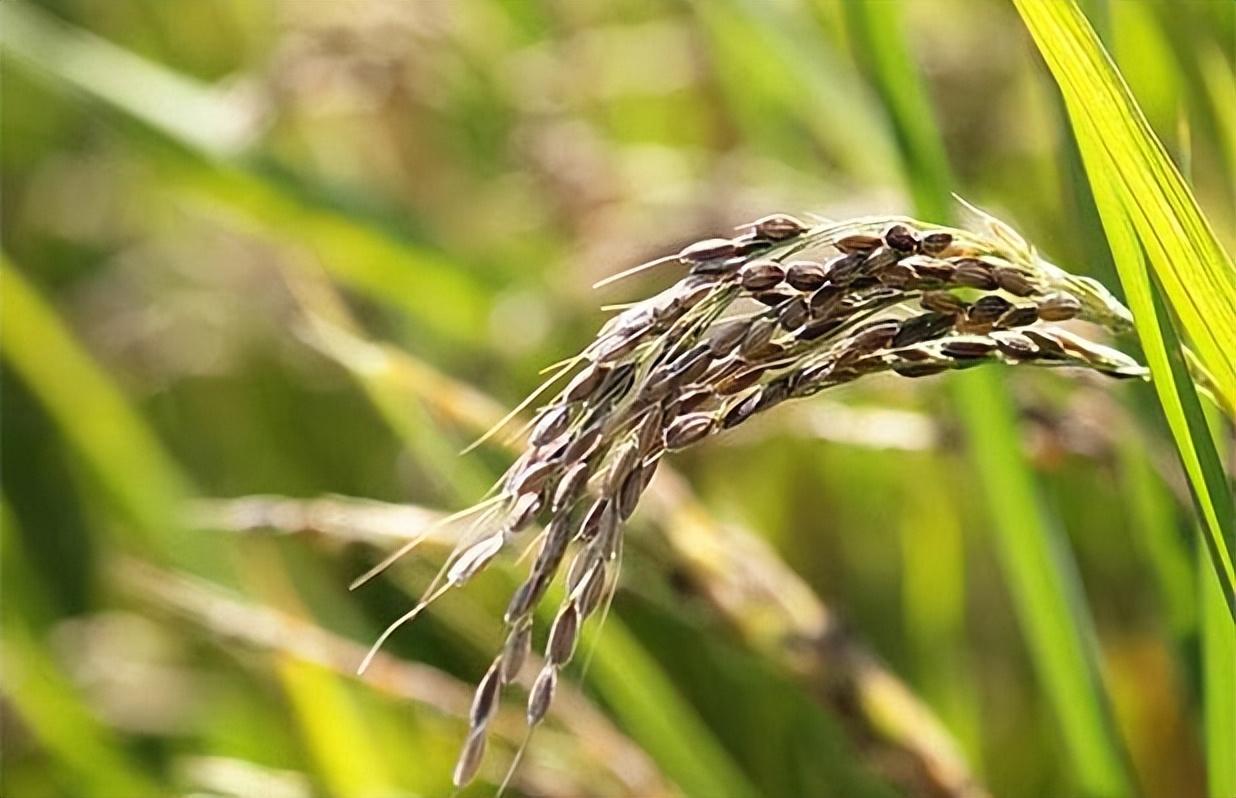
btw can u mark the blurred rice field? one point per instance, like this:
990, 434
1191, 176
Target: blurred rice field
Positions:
269, 266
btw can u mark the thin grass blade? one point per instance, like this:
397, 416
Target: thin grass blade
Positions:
1038, 568
1198, 277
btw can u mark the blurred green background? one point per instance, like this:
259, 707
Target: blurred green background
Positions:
268, 266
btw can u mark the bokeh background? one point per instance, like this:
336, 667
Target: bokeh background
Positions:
268, 266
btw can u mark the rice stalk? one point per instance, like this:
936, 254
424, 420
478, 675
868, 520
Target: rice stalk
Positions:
782, 311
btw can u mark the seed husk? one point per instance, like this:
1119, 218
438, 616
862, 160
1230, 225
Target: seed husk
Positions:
584, 561
689, 401
746, 246
710, 249
647, 471
648, 431
1019, 316
965, 348
1058, 307
1015, 345
553, 545
601, 515
1073, 345
805, 275
758, 335
532, 477
944, 302
930, 270
570, 486
583, 446
901, 239
583, 384
761, 275
692, 365
741, 381
793, 314
688, 429
915, 354
1048, 346
1013, 281
897, 275
660, 383
668, 307
615, 347
620, 464
617, 381
542, 694
632, 321
768, 352
691, 291
936, 243
629, 493
524, 511
987, 309
551, 423
825, 299
485, 699
922, 328
875, 336
873, 297
591, 587
515, 651
522, 600
818, 329
811, 379
610, 537
713, 269
860, 244
474, 558
774, 393
843, 269
882, 258
552, 452
563, 634
973, 273
723, 337
470, 757
779, 227
741, 411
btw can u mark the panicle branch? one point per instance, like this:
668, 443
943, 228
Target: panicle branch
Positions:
782, 311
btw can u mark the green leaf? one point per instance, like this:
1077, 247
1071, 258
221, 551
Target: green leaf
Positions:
147, 488
1152, 516
89, 757
1218, 685
333, 729
880, 44
641, 695
211, 163
121, 452
174, 105
1197, 276
1039, 569
769, 60
1149, 215
1045, 588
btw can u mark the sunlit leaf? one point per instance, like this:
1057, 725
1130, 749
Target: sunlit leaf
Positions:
1150, 217
1039, 570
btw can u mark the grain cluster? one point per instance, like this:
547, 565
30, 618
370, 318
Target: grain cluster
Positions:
781, 311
